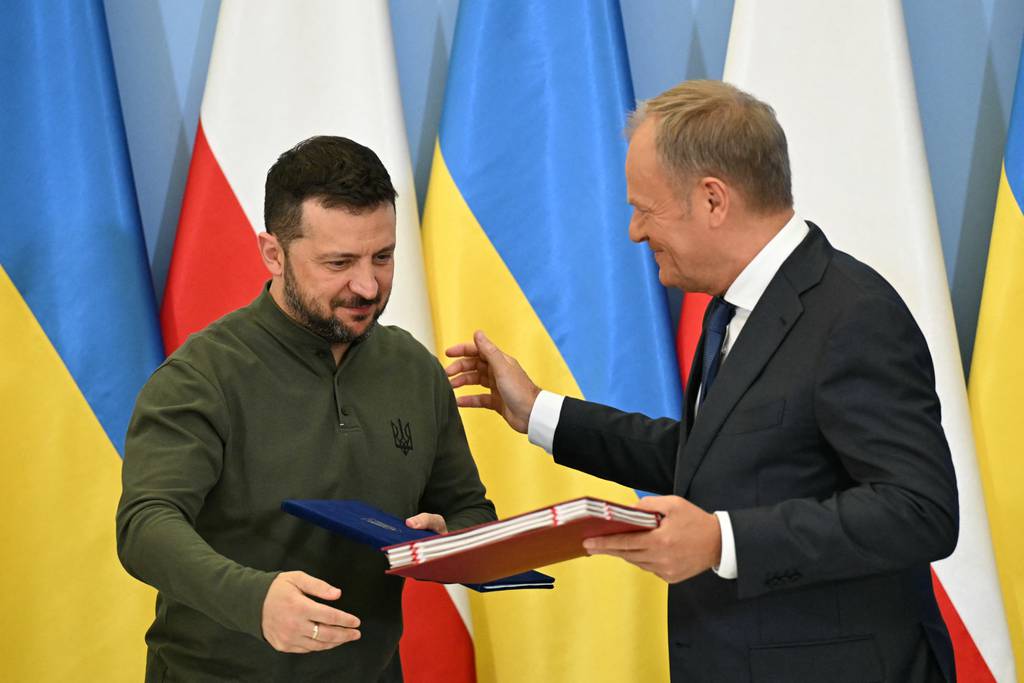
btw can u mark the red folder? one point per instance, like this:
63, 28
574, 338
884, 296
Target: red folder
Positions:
509, 546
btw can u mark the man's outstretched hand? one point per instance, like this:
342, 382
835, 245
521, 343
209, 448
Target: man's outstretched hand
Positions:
294, 622
481, 363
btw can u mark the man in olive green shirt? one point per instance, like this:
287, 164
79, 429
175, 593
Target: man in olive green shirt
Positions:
297, 395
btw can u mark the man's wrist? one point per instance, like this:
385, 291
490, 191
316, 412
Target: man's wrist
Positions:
547, 408
716, 547
726, 567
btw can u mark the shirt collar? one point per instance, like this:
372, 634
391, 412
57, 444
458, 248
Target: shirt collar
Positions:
285, 329
748, 287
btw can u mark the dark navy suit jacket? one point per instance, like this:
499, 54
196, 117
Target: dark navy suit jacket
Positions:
822, 439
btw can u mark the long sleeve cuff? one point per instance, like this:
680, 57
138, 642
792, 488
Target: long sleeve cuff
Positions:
544, 419
726, 568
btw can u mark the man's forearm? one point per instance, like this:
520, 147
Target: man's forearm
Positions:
159, 547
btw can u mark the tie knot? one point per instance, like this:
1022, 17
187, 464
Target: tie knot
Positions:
720, 315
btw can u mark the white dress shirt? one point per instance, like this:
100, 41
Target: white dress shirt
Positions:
744, 293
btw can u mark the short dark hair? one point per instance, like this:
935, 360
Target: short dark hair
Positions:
338, 172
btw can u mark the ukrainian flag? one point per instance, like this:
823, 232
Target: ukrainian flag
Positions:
996, 388
525, 237
79, 337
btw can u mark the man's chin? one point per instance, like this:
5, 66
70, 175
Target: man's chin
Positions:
667, 278
357, 323
358, 326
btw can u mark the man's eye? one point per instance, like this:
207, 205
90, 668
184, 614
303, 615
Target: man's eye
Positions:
384, 258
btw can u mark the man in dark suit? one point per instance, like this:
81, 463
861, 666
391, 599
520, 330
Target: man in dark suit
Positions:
810, 472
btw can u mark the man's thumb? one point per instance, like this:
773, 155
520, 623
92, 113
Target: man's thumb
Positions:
310, 585
486, 347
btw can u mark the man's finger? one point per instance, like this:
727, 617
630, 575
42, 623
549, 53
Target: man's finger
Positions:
662, 504
310, 585
617, 542
637, 557
427, 520
488, 350
325, 615
474, 401
331, 636
462, 365
463, 349
470, 378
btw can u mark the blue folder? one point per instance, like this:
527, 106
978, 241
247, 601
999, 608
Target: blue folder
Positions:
366, 524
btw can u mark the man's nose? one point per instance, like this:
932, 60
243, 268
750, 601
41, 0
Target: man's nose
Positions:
636, 231
364, 283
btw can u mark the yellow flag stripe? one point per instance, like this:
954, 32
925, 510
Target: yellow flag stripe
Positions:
68, 611
996, 395
605, 620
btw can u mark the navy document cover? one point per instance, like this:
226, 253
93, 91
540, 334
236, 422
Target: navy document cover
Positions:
363, 523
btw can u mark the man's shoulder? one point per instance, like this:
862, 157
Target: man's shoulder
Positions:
218, 341
840, 290
818, 262
853, 296
859, 281
396, 341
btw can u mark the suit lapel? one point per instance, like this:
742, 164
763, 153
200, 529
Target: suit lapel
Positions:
773, 317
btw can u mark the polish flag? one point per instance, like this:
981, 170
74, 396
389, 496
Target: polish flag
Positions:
280, 73
840, 80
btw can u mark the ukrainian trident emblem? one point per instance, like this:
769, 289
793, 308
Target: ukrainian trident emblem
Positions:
403, 436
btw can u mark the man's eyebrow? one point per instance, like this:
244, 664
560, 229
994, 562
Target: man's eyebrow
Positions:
328, 255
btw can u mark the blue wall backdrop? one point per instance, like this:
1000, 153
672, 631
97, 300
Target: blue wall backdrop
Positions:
964, 54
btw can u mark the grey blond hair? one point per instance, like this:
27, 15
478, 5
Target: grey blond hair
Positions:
714, 128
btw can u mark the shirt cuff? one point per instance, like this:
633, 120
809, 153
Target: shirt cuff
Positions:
726, 568
544, 419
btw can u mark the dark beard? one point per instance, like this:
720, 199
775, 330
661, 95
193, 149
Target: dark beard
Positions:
329, 328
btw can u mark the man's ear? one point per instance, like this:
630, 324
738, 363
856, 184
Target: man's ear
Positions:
271, 253
717, 197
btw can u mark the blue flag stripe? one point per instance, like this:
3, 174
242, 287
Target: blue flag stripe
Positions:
71, 237
1014, 159
533, 136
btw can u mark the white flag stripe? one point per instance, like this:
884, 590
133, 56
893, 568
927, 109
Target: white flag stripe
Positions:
282, 72
460, 598
840, 79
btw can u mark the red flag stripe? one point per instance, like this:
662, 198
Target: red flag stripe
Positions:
215, 267
435, 647
970, 665
691, 314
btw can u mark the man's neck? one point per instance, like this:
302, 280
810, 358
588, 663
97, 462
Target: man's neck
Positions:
338, 351
757, 231
277, 294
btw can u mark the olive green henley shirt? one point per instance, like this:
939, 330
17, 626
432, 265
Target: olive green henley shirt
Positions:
249, 412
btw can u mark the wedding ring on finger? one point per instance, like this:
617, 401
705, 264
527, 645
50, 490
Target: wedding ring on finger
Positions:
316, 630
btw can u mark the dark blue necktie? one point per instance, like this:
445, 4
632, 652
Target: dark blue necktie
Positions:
714, 334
